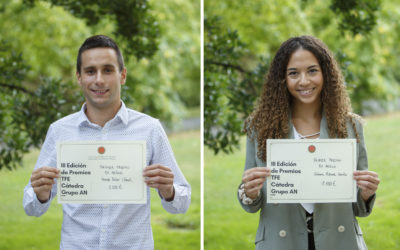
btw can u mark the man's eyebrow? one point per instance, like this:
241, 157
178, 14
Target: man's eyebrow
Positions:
103, 66
88, 67
109, 65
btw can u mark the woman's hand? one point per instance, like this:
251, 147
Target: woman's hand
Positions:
367, 181
253, 180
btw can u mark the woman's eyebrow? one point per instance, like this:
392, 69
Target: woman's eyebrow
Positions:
309, 67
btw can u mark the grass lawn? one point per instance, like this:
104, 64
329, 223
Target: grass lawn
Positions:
19, 231
228, 226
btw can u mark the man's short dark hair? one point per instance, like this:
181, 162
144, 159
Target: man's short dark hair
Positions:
99, 41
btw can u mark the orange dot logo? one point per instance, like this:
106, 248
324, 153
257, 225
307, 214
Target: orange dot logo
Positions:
311, 148
101, 150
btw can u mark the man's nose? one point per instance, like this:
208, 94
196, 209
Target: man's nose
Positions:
99, 77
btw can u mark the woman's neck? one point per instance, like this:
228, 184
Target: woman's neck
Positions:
306, 119
306, 112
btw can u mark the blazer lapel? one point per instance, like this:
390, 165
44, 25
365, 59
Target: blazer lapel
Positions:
291, 133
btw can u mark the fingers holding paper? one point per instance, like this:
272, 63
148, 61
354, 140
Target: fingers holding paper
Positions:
162, 178
253, 180
367, 181
42, 181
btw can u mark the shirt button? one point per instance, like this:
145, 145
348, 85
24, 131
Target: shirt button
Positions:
103, 230
282, 233
341, 229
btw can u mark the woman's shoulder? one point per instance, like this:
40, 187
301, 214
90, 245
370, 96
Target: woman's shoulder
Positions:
248, 127
355, 124
357, 119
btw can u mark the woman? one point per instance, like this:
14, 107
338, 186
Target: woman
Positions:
304, 98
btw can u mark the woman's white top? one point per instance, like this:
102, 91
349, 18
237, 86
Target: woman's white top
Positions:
309, 207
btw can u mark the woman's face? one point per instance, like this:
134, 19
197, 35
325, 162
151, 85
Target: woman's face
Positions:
304, 78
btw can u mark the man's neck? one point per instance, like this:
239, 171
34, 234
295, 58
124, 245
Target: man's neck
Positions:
101, 116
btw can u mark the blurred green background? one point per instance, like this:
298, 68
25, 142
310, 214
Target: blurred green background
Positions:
373, 55
241, 38
39, 42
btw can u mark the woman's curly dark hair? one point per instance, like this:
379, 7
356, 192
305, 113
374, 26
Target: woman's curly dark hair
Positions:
270, 119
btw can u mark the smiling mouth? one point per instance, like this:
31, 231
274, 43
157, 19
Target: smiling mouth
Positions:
99, 92
305, 91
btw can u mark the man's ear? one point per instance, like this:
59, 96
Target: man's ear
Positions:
78, 77
123, 76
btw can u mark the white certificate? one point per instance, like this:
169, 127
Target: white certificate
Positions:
311, 171
99, 172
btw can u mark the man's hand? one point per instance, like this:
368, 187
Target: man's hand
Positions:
42, 181
162, 178
253, 180
367, 181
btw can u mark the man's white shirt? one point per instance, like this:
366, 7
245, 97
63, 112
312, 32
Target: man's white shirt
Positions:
112, 226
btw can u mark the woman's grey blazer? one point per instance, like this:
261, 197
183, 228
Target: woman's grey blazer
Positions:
283, 226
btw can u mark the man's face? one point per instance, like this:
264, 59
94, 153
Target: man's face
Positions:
100, 78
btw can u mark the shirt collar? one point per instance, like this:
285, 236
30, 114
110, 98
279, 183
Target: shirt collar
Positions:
324, 133
122, 115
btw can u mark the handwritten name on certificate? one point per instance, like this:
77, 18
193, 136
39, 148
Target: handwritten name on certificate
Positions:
311, 171
99, 172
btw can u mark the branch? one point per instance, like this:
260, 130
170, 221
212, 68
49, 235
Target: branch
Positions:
22, 89
253, 88
237, 67
227, 65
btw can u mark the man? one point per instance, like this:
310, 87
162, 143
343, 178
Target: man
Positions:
100, 73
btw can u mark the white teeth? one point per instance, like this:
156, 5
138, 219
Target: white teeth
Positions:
99, 91
305, 92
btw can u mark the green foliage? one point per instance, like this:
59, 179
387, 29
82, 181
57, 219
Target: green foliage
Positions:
179, 50
358, 17
163, 85
261, 23
230, 89
40, 33
26, 114
14, 70
362, 35
136, 27
160, 43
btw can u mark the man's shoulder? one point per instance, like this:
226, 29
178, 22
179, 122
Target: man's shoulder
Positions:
68, 120
136, 116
